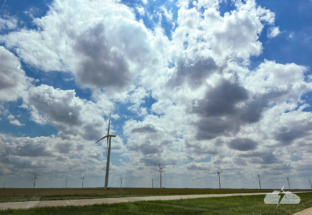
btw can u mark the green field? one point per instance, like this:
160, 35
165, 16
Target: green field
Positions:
251, 205
21, 194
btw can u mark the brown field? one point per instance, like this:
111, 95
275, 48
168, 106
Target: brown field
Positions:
18, 192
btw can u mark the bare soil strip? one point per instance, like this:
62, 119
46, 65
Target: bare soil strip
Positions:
304, 212
83, 202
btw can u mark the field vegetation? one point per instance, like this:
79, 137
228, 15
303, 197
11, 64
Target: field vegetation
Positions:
40, 194
250, 205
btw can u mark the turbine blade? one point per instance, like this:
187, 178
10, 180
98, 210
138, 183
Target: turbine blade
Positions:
108, 124
101, 139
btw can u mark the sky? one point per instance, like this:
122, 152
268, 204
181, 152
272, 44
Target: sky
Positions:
197, 86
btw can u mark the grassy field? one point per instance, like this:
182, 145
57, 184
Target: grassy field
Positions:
20, 194
13, 192
251, 205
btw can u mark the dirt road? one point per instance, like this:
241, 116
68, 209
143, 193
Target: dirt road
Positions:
82, 202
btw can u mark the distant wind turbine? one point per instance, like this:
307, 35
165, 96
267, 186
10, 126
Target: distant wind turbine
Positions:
160, 175
120, 181
35, 178
310, 182
219, 179
259, 180
109, 140
288, 182
153, 183
82, 181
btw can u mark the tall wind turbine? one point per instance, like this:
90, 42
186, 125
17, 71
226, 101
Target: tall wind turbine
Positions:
120, 181
219, 179
288, 182
160, 175
259, 180
82, 181
153, 182
109, 140
35, 178
310, 182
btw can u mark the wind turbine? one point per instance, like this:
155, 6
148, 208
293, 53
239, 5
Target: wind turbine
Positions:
259, 180
153, 183
82, 181
160, 174
310, 182
219, 179
288, 182
120, 181
35, 178
109, 140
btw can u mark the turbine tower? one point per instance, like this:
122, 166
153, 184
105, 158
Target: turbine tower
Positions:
35, 178
82, 181
153, 183
259, 180
310, 182
109, 139
288, 182
219, 179
160, 174
120, 181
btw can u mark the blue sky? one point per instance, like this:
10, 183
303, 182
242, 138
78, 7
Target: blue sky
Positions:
235, 98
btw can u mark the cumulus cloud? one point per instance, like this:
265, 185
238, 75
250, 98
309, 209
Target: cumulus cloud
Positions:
243, 144
102, 66
141, 10
273, 32
208, 103
72, 116
167, 14
14, 121
8, 22
13, 80
145, 129
195, 73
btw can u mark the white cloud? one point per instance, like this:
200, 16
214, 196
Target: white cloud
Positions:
14, 121
235, 35
98, 57
207, 103
167, 14
273, 32
8, 23
72, 116
144, 1
10, 117
141, 10
13, 80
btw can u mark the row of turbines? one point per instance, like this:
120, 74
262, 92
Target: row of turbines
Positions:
109, 136
160, 179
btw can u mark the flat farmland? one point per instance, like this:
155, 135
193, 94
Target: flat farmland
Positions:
247, 205
115, 191
29, 194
